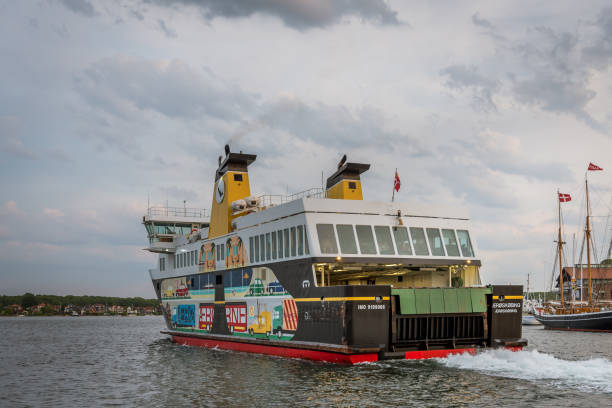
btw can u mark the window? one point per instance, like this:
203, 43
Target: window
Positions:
293, 243
327, 240
218, 252
435, 242
280, 244
180, 260
251, 250
237, 177
162, 265
219, 279
256, 241
193, 282
346, 238
222, 251
262, 247
352, 185
300, 240
418, 241
366, 239
268, 246
306, 249
402, 240
383, 237
450, 242
465, 243
286, 241
273, 244
193, 257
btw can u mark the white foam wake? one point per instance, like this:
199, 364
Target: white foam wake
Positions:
593, 374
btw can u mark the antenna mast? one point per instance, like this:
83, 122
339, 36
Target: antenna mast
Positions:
560, 246
588, 240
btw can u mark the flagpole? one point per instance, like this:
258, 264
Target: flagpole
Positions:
393, 194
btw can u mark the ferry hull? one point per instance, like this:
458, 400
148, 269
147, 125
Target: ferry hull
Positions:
324, 354
598, 321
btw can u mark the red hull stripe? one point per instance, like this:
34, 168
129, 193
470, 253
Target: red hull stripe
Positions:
424, 354
316, 355
278, 351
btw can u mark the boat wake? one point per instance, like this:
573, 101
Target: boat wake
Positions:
594, 374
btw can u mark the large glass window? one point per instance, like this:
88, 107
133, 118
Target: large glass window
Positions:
286, 241
327, 240
383, 237
251, 250
402, 240
418, 241
450, 242
366, 239
306, 248
465, 243
300, 239
262, 247
435, 241
346, 237
273, 244
293, 243
280, 244
268, 246
256, 242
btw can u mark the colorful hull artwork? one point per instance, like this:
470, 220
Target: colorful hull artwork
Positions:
256, 304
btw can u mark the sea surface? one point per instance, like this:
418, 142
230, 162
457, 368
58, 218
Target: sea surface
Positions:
126, 361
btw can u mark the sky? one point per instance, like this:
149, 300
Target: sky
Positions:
104, 105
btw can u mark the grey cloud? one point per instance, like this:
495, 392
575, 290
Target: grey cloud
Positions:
298, 14
171, 88
169, 32
599, 53
83, 7
481, 21
462, 77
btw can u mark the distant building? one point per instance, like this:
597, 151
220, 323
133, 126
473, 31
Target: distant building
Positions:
601, 280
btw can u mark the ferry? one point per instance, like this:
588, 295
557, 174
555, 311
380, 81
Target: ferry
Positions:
324, 275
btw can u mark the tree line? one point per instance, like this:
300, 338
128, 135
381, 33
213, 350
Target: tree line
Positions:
28, 300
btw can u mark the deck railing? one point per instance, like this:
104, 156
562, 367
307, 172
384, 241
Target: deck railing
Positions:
276, 199
178, 212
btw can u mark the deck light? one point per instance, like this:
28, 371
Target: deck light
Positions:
469, 261
338, 258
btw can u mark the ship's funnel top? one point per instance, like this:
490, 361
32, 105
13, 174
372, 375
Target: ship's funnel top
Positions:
234, 162
346, 182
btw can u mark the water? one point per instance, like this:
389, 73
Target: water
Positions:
125, 361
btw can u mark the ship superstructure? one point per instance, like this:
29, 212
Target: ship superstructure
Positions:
325, 275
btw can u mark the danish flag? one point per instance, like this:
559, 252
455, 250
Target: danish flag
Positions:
564, 198
593, 167
396, 182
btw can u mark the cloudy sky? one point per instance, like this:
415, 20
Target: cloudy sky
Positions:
486, 105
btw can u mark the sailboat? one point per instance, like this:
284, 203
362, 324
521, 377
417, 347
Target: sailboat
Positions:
568, 316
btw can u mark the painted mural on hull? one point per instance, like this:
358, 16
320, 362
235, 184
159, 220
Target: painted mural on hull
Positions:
256, 304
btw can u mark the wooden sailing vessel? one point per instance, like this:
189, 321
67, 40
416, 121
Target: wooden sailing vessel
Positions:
567, 316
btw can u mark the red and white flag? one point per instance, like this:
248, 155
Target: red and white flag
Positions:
396, 182
564, 198
594, 167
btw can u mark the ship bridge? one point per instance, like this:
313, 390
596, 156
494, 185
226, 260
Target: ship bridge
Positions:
165, 225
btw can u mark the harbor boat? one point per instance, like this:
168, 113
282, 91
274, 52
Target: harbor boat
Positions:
325, 275
569, 315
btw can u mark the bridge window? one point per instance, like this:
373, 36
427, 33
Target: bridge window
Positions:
262, 247
435, 242
465, 243
251, 250
402, 240
383, 237
256, 241
450, 242
280, 244
273, 244
293, 243
327, 240
418, 241
306, 248
366, 239
286, 241
346, 238
300, 239
268, 247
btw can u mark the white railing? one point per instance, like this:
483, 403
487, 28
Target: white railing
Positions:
276, 199
178, 212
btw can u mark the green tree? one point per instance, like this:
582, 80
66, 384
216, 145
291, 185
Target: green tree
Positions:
28, 300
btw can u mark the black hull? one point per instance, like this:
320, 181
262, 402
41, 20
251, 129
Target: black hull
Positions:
597, 321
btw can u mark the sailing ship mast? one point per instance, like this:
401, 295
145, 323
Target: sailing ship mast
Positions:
588, 240
560, 247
